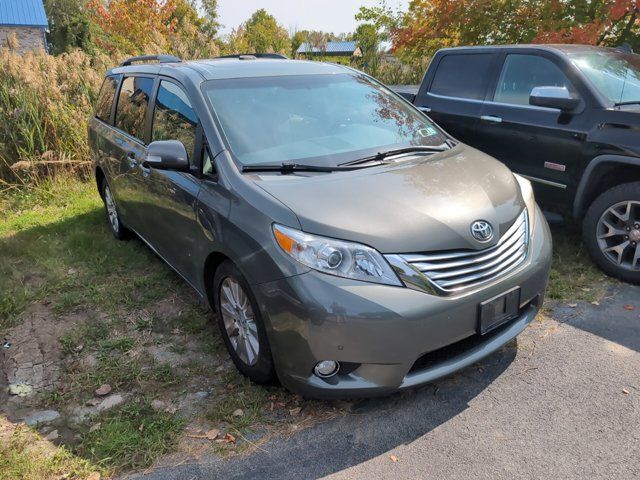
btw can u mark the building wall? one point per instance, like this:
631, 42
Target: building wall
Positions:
27, 38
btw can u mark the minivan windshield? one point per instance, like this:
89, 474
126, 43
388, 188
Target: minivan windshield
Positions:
615, 74
323, 119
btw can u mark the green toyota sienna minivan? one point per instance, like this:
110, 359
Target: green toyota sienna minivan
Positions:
348, 245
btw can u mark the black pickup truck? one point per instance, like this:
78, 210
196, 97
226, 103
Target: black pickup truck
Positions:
567, 117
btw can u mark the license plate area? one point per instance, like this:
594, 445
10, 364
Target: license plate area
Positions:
498, 310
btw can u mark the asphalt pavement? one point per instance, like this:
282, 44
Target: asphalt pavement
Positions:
561, 402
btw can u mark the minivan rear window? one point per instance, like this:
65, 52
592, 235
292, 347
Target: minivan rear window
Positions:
462, 76
133, 103
105, 99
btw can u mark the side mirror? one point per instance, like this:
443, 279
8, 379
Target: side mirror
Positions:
553, 97
166, 155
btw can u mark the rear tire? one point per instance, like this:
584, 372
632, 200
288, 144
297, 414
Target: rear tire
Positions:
241, 324
120, 232
611, 232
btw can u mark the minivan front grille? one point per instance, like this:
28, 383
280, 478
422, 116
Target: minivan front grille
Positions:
452, 271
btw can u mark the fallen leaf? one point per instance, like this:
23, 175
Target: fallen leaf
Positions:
393, 458
629, 307
294, 412
103, 390
141, 427
596, 303
94, 476
230, 386
572, 305
229, 438
625, 391
238, 412
212, 434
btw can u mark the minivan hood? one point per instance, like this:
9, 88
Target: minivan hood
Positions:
415, 205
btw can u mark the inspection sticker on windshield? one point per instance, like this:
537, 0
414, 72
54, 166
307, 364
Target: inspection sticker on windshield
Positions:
427, 132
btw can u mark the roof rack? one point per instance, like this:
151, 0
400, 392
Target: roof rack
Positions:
253, 56
151, 58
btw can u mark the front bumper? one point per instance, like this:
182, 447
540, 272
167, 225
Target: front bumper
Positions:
388, 338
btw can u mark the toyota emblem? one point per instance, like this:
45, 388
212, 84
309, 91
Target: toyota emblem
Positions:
482, 231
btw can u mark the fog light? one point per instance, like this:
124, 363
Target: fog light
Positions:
326, 368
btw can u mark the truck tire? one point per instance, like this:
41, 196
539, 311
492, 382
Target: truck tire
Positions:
611, 232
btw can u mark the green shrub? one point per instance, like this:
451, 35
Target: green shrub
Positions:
44, 105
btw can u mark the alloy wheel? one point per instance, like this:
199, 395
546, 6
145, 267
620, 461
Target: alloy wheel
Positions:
111, 209
239, 321
618, 234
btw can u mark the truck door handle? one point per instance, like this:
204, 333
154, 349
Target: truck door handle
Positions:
424, 109
491, 118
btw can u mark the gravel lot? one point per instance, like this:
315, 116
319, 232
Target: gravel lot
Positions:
561, 402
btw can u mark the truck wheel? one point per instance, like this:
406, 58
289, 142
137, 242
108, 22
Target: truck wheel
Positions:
611, 232
241, 324
119, 231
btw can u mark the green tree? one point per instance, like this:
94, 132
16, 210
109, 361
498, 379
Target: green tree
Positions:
297, 39
264, 35
69, 26
368, 39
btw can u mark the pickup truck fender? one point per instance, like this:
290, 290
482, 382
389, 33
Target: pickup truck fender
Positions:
579, 203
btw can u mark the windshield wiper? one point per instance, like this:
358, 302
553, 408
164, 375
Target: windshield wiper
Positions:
294, 167
630, 102
380, 156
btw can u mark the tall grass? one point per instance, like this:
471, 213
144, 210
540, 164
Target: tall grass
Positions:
44, 105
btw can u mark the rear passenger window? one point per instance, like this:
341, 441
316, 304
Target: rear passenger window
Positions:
105, 99
462, 76
133, 103
174, 118
522, 73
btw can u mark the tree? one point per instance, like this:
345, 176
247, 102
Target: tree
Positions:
133, 26
432, 24
298, 38
70, 26
264, 35
368, 39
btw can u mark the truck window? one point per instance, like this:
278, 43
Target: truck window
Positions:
133, 103
522, 73
105, 99
462, 76
174, 118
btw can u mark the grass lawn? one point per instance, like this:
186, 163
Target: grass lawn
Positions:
107, 312
97, 311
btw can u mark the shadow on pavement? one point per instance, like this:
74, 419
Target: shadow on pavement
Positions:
373, 427
616, 319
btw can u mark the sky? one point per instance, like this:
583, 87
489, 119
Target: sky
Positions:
335, 16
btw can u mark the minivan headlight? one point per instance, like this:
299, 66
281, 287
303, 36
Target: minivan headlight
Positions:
527, 195
335, 257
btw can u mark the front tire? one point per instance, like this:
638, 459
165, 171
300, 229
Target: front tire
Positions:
241, 324
611, 232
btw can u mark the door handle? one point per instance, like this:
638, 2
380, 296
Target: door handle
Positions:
424, 109
133, 159
491, 118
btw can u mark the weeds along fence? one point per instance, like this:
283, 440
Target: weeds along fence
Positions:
45, 102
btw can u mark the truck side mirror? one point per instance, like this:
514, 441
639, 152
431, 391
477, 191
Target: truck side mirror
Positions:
554, 97
166, 155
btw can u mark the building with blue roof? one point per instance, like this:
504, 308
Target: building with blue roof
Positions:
330, 49
23, 25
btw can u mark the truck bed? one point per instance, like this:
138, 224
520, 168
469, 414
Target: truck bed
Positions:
407, 91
